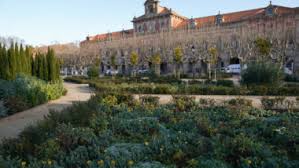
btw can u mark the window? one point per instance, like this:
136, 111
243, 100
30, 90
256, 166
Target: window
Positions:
140, 28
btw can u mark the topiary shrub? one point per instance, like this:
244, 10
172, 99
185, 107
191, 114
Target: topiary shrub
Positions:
262, 73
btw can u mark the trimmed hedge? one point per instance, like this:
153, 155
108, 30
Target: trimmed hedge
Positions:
195, 89
221, 87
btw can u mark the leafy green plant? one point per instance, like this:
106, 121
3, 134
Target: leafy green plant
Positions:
184, 103
94, 134
240, 102
262, 73
93, 72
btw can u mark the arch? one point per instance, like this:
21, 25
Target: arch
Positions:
164, 68
234, 60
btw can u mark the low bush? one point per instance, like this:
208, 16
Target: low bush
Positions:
278, 103
3, 110
207, 102
16, 104
239, 102
268, 103
291, 78
184, 103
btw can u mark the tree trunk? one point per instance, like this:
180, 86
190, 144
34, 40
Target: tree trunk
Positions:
210, 72
193, 71
157, 70
215, 74
178, 72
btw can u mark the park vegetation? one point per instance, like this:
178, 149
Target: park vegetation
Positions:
115, 130
171, 85
27, 78
21, 60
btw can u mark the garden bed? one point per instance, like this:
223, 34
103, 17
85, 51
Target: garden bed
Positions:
113, 130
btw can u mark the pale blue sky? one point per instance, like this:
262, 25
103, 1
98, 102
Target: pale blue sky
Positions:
46, 21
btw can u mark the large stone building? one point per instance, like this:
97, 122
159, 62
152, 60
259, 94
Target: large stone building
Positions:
161, 29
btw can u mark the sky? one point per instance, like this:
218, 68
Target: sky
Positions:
44, 22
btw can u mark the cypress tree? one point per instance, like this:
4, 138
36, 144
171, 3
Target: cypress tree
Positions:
1, 62
22, 61
51, 64
45, 69
28, 58
17, 59
12, 62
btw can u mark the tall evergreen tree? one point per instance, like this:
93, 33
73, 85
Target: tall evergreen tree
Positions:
1, 61
17, 58
45, 68
22, 61
12, 62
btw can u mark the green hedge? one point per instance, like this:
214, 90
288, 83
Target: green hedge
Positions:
221, 87
195, 89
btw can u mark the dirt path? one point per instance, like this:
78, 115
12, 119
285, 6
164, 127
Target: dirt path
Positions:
13, 125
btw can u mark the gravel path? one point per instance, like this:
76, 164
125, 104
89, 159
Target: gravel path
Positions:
11, 126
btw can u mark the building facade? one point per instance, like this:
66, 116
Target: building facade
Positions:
160, 30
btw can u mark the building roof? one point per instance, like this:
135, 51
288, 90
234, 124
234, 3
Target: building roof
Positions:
201, 21
113, 35
238, 16
164, 12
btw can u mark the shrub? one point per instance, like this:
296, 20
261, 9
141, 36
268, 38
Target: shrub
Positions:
150, 100
227, 83
184, 103
207, 102
239, 102
124, 152
93, 72
16, 104
267, 103
89, 135
291, 78
261, 73
110, 100
151, 165
3, 110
